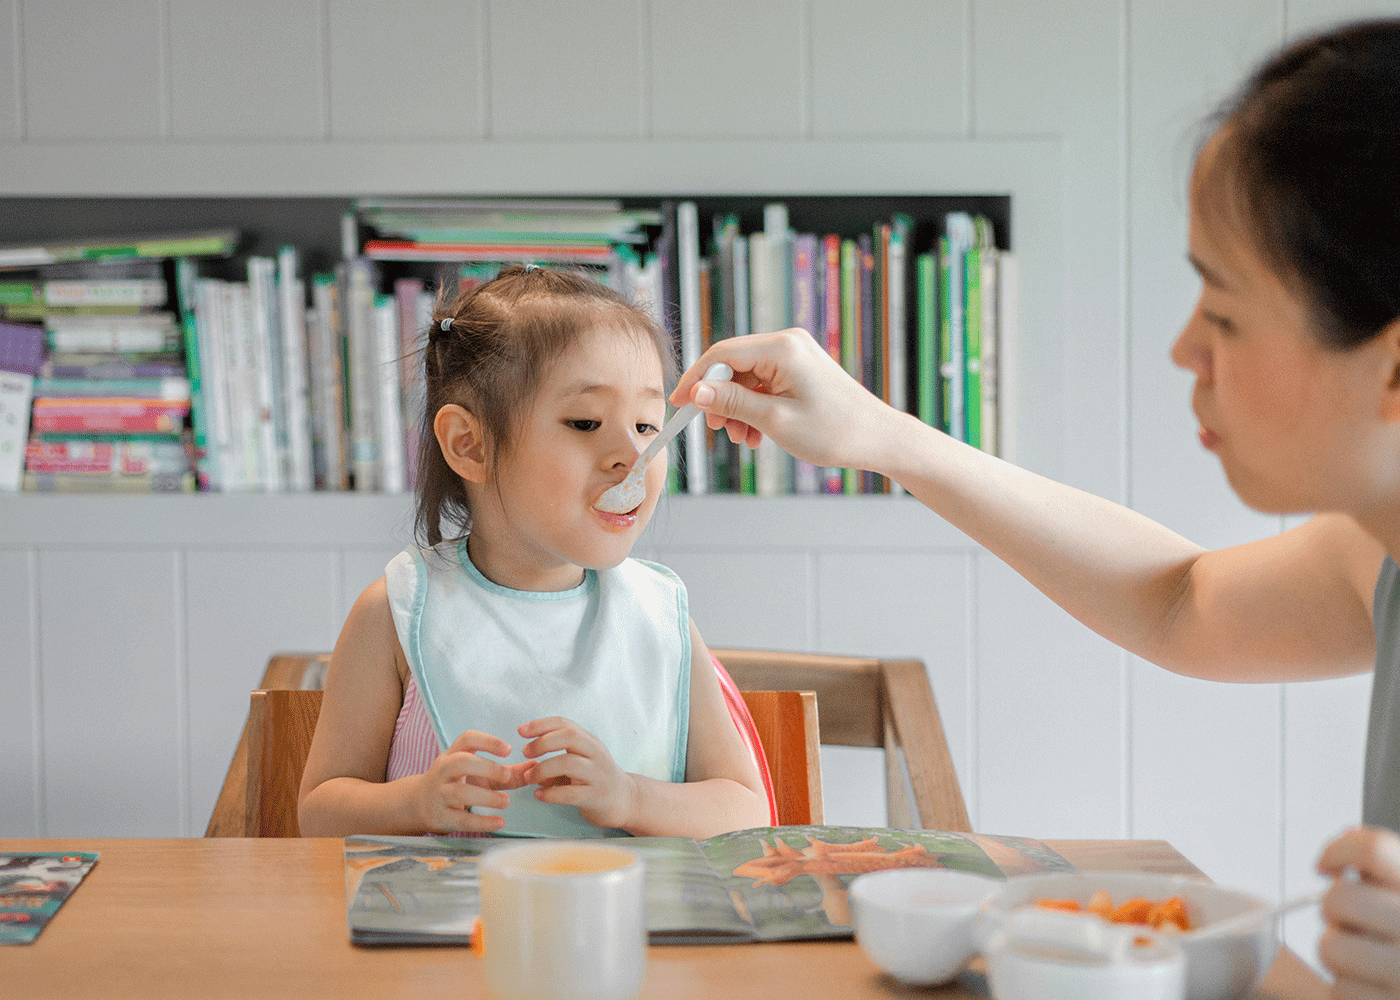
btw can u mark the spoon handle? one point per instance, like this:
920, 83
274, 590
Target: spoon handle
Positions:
718, 372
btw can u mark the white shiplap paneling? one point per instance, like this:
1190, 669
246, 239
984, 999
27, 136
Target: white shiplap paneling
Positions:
727, 69
93, 71
113, 708
389, 81
11, 105
897, 68
249, 70
19, 720
565, 70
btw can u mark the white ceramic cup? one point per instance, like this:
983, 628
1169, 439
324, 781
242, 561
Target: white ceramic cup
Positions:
563, 920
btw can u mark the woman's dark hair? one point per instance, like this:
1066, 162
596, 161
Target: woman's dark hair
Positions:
488, 349
1312, 144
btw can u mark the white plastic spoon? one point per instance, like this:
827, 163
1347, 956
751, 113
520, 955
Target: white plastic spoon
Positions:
1253, 918
627, 494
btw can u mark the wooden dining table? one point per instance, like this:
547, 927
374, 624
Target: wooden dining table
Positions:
232, 918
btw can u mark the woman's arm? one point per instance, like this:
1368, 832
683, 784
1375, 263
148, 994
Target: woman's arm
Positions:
343, 790
1293, 606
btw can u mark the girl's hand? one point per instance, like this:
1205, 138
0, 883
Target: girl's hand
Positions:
460, 779
584, 775
1361, 945
787, 387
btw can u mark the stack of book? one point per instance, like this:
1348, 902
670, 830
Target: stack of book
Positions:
920, 330
112, 395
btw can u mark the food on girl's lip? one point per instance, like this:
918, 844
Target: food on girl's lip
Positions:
1167, 915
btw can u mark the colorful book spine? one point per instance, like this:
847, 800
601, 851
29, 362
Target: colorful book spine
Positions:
806, 480
926, 272
850, 335
108, 415
328, 437
697, 478
832, 478
144, 293
393, 468
297, 473
972, 353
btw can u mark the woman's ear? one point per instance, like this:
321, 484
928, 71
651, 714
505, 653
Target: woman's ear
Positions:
459, 435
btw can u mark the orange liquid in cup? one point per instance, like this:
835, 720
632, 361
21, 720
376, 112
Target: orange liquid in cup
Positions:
580, 862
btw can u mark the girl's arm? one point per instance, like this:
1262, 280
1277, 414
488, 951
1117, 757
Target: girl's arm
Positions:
1293, 606
722, 790
343, 790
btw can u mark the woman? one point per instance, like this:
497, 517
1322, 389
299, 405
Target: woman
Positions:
1295, 346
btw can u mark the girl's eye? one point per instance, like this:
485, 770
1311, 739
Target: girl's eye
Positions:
584, 425
647, 428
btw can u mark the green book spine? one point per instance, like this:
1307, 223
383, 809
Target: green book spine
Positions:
199, 415
945, 337
850, 334
927, 359
972, 355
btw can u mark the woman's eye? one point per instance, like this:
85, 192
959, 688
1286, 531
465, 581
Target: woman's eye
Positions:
1218, 321
584, 425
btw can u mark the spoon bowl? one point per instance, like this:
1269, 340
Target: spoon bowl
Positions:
626, 495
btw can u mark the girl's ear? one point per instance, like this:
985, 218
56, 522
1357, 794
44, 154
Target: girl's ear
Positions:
459, 435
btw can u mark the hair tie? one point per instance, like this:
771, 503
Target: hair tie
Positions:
446, 324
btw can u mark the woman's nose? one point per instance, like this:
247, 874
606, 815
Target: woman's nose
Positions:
1190, 351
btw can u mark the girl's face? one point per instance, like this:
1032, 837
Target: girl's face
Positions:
534, 523
1294, 424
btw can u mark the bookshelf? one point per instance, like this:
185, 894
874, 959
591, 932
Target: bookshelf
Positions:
185, 595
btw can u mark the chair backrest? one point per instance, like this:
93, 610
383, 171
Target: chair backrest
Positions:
280, 727
259, 797
871, 702
788, 728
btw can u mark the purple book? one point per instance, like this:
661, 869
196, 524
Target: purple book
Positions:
21, 347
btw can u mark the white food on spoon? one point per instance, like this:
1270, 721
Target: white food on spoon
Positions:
629, 493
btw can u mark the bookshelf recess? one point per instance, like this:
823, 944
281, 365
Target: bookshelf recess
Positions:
313, 225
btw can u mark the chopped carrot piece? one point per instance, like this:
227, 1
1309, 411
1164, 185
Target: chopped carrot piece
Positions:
478, 938
1133, 911
1171, 911
1058, 904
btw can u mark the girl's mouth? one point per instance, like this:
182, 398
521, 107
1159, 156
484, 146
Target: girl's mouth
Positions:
617, 522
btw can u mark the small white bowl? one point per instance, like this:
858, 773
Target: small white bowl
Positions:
1218, 966
917, 924
1046, 955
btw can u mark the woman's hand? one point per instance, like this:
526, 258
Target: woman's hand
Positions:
787, 387
583, 775
460, 779
1361, 945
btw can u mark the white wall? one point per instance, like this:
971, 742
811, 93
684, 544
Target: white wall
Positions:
1084, 110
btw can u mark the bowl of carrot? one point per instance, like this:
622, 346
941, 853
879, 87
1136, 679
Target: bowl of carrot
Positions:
1219, 966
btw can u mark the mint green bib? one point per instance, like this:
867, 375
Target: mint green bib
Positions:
612, 655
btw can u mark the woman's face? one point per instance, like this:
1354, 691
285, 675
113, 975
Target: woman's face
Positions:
1296, 425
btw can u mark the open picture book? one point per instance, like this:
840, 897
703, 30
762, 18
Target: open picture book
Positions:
763, 884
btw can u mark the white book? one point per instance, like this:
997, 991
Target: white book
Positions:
327, 385
291, 312
393, 468
16, 392
767, 280
990, 338
143, 293
1007, 348
363, 405
158, 331
245, 465
265, 339
960, 232
743, 326
697, 467
213, 377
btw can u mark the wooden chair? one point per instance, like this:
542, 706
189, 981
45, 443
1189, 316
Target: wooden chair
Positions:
872, 703
259, 797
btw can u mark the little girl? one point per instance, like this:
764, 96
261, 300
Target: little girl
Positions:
524, 619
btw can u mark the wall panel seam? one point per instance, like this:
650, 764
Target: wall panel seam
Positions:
180, 601
17, 22
36, 700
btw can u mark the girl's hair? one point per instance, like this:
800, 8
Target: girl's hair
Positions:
499, 341
1312, 146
